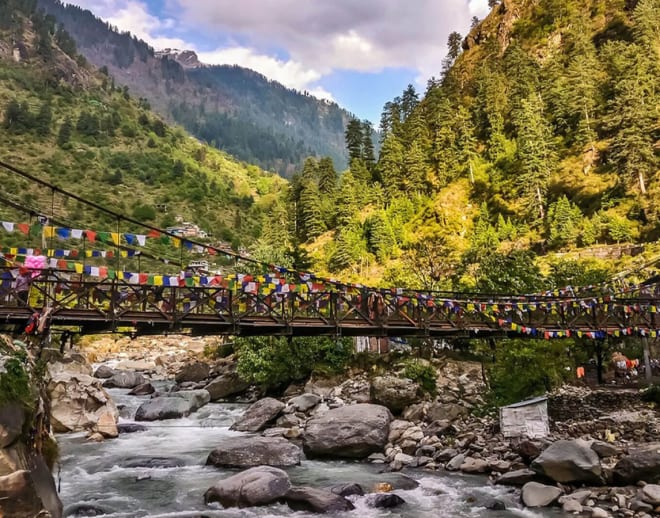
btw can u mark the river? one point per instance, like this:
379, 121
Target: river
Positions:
161, 473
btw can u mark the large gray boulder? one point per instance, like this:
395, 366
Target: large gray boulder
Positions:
539, 495
304, 402
80, 403
519, 477
196, 398
444, 411
641, 463
246, 452
226, 385
569, 461
104, 372
258, 415
394, 393
261, 485
164, 407
316, 500
125, 379
195, 371
353, 431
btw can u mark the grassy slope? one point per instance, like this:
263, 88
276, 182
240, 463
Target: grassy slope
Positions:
214, 190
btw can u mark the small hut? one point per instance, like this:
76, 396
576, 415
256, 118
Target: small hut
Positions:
527, 418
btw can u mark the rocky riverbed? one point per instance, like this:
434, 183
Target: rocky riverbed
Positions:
169, 406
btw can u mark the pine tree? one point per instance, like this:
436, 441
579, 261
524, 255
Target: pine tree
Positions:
347, 199
64, 134
327, 177
368, 145
630, 116
354, 139
310, 208
409, 101
484, 239
535, 152
390, 165
415, 170
564, 219
43, 120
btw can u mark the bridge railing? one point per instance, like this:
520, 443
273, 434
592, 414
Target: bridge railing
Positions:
77, 297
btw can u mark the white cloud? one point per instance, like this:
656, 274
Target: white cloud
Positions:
319, 36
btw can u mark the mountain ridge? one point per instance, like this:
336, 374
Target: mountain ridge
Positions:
276, 131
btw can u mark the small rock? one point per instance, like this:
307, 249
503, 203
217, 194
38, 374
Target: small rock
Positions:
597, 512
385, 500
571, 506
455, 463
651, 494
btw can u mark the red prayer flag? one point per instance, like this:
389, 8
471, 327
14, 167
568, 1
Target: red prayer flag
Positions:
90, 235
153, 233
24, 227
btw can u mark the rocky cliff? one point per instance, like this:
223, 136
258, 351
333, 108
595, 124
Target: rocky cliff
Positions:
27, 448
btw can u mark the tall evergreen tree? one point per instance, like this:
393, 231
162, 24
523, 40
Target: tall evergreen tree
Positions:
64, 134
390, 165
535, 152
44, 119
327, 177
354, 139
367, 145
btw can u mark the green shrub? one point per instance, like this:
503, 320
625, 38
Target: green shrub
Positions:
422, 373
651, 394
15, 382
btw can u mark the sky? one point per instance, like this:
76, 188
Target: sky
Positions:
358, 53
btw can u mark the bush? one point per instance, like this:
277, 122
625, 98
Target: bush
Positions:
275, 361
15, 382
651, 394
422, 373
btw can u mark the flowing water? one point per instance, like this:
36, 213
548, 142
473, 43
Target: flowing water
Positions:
161, 473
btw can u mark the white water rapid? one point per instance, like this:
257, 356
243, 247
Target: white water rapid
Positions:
161, 473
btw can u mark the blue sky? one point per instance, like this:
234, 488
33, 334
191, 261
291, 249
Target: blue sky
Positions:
360, 54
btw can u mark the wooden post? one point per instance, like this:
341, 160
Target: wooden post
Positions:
647, 360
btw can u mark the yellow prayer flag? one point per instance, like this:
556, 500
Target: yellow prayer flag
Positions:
115, 237
49, 231
158, 280
176, 242
78, 267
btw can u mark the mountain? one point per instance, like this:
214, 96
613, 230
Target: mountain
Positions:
230, 107
532, 162
68, 123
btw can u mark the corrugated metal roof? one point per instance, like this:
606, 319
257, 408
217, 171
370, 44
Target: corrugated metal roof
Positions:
527, 402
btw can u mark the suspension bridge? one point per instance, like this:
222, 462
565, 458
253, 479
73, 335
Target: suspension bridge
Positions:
95, 297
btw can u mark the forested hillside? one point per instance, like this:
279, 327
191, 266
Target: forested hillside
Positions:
540, 136
66, 122
232, 108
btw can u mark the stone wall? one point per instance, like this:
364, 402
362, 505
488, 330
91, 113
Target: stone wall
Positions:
581, 404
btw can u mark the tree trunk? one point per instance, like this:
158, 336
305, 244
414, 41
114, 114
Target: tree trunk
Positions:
642, 187
540, 198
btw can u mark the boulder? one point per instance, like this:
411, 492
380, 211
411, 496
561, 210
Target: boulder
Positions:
131, 428
394, 393
196, 371
196, 398
75, 364
641, 463
12, 418
80, 403
472, 465
440, 428
29, 490
125, 379
246, 452
258, 415
348, 489
104, 372
519, 477
604, 449
353, 431
164, 408
445, 412
316, 500
384, 500
539, 495
455, 463
226, 385
304, 402
528, 450
651, 494
142, 390
261, 485
569, 461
